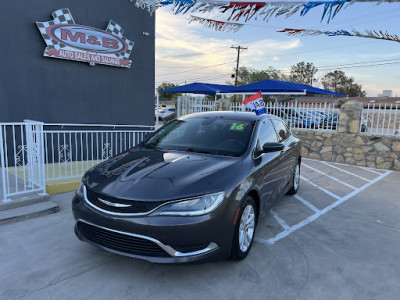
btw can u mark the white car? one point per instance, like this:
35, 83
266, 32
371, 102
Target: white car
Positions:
164, 112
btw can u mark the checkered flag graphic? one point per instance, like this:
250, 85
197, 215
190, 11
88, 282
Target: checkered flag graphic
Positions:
117, 30
61, 16
55, 43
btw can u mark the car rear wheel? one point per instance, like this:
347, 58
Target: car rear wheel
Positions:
244, 230
295, 180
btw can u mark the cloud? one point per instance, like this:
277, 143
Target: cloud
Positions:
373, 89
181, 46
184, 55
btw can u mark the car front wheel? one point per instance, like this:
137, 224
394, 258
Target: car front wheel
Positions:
295, 180
244, 230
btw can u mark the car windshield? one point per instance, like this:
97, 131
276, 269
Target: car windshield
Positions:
212, 135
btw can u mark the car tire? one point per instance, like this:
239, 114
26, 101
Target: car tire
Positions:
295, 180
245, 226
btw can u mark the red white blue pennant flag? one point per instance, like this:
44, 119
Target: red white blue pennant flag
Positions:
256, 103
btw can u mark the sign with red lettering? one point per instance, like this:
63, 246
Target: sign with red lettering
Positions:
67, 40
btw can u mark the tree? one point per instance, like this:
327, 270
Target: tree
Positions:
168, 96
338, 82
250, 75
303, 73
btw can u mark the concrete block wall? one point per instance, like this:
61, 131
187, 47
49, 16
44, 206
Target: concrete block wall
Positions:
348, 146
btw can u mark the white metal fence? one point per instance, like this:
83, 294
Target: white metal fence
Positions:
311, 116
22, 158
381, 119
189, 105
72, 149
32, 153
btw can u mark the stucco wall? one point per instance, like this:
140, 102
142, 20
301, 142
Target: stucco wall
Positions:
349, 146
61, 91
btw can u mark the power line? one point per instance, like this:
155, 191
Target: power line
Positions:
202, 68
194, 79
364, 64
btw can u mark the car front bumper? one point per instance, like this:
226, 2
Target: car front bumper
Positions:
159, 239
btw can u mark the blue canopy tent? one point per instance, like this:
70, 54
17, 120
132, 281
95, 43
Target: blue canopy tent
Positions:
201, 88
276, 87
198, 88
267, 87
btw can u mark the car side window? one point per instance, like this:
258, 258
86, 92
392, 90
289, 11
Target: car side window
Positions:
281, 129
266, 134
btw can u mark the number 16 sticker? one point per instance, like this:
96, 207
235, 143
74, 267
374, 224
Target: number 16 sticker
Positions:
236, 126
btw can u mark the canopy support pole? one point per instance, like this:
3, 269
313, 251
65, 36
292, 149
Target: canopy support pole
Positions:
158, 96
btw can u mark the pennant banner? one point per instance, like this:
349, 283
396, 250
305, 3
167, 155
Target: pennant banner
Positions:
216, 25
246, 10
372, 34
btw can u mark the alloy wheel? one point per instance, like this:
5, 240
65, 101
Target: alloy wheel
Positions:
246, 228
296, 179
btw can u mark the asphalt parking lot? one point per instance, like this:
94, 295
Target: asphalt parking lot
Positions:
338, 238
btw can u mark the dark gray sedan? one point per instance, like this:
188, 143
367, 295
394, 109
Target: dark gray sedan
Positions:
193, 191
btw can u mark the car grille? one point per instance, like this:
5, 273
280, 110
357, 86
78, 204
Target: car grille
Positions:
120, 242
135, 207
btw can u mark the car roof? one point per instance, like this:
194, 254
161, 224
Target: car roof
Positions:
238, 115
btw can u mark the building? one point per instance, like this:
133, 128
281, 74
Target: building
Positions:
386, 93
46, 89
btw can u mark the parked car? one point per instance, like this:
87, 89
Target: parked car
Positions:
193, 191
295, 118
165, 112
313, 119
331, 121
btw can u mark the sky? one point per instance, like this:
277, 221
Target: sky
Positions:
188, 53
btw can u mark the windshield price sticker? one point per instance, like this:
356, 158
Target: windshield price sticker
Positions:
237, 126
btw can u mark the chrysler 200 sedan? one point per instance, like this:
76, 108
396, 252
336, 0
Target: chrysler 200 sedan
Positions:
194, 190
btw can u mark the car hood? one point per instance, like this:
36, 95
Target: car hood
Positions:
157, 175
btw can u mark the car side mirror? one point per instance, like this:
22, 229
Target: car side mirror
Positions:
272, 147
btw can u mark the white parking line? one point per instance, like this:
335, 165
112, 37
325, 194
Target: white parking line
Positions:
375, 171
321, 188
280, 221
370, 170
344, 171
306, 203
331, 177
293, 228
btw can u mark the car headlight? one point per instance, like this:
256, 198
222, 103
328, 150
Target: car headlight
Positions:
193, 207
79, 191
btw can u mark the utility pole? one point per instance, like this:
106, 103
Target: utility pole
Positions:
237, 60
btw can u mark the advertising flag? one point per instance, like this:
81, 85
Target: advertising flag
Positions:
256, 103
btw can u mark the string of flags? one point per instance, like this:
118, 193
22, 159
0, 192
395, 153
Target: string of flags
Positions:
217, 25
247, 10
372, 34
244, 11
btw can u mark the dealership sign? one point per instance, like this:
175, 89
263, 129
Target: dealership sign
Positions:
67, 40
